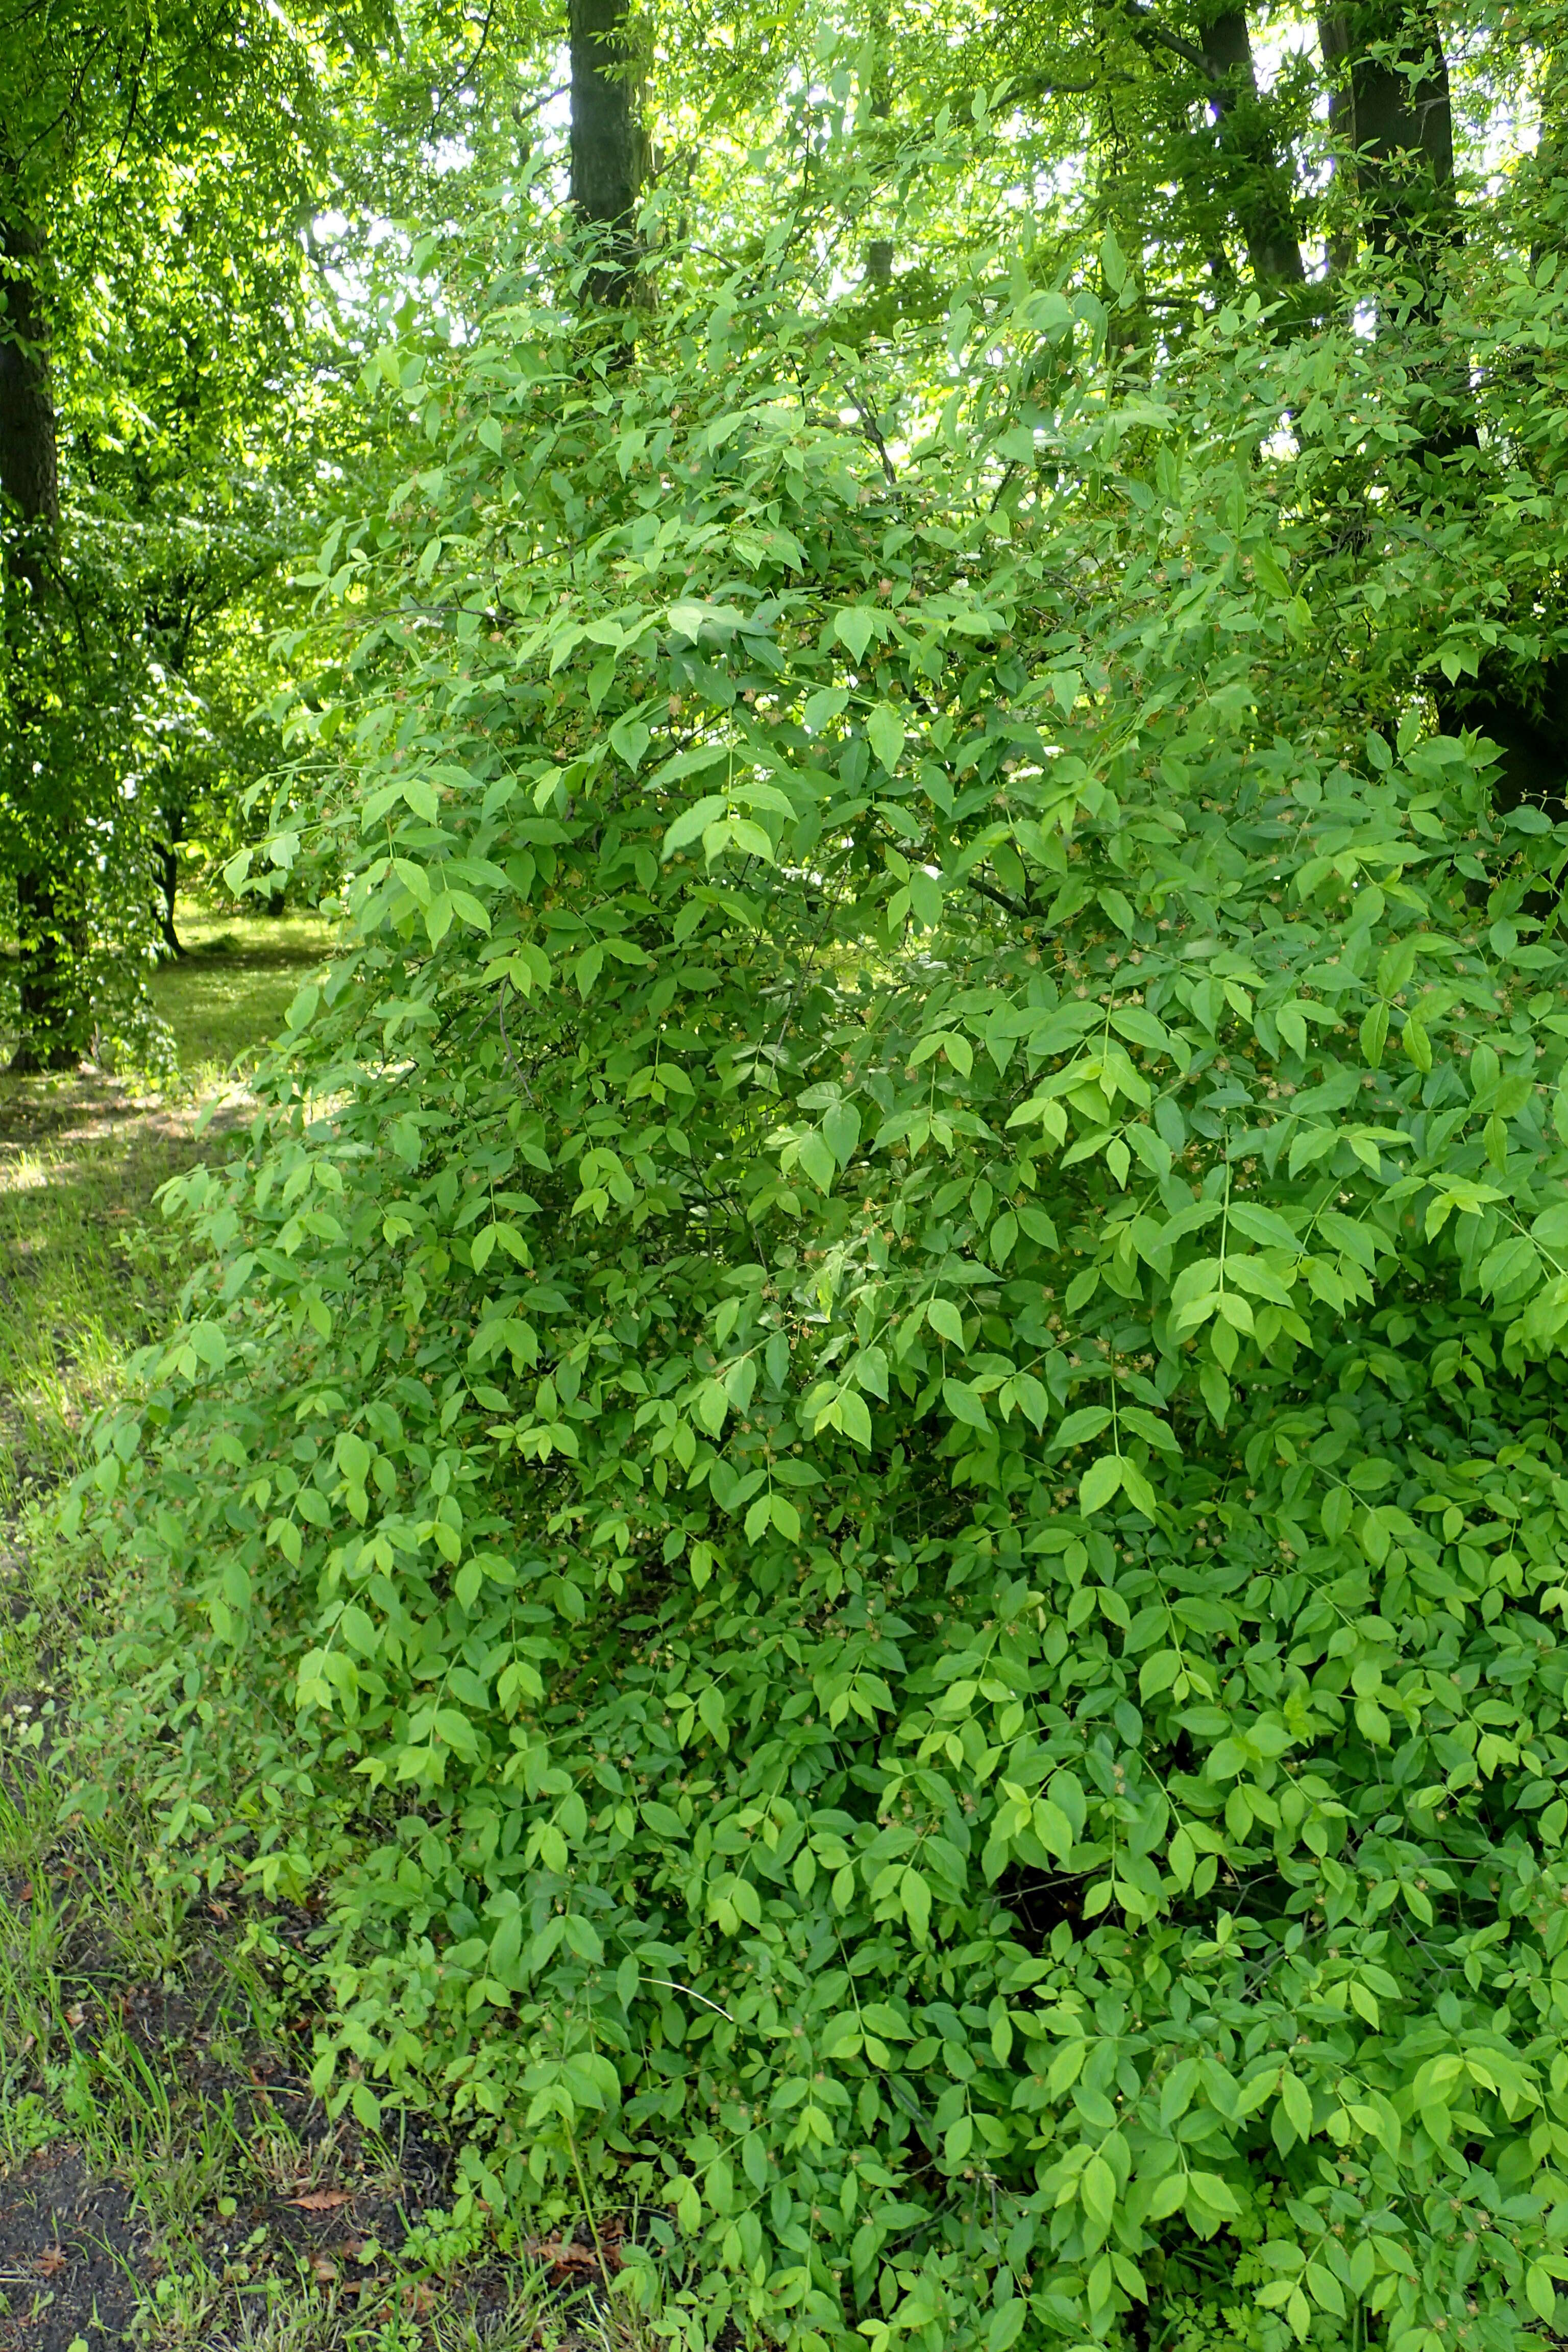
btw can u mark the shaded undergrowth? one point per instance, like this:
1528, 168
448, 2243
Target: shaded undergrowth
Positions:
167, 2178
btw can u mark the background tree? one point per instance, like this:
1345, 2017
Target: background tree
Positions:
175, 349
609, 147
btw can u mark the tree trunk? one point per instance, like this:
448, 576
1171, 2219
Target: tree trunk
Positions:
1525, 713
169, 880
1400, 120
29, 474
609, 148
1522, 706
1256, 186
1390, 100
879, 250
1545, 175
1401, 125
47, 925
1333, 44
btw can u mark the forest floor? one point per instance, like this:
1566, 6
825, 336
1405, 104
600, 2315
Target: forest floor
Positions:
166, 2178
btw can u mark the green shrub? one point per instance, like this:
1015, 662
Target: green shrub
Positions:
869, 1470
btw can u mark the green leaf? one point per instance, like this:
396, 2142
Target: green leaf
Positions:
629, 739
926, 897
1264, 1226
1269, 573
1003, 2329
1097, 2190
1296, 2100
854, 1418
856, 628
841, 1131
884, 733
815, 1160
1539, 2292
826, 704
588, 967
1081, 1426
945, 1321
1139, 1491
692, 823
1101, 1482
1145, 1424
1158, 1673
963, 1404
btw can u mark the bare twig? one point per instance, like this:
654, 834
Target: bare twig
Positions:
874, 434
690, 1994
466, 74
516, 1070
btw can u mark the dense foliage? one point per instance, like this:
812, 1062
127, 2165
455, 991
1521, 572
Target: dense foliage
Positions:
864, 1476
869, 1469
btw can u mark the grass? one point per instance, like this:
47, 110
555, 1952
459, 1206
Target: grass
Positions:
226, 996
166, 2178
86, 1274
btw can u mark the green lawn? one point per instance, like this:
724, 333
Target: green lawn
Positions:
226, 996
85, 1265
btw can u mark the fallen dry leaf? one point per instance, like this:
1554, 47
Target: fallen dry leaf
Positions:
569, 2256
50, 2261
323, 2270
75, 2013
324, 2201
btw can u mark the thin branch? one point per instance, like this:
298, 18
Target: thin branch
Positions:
506, 1044
999, 898
521, 113
1050, 85
136, 79
874, 434
1153, 36
467, 75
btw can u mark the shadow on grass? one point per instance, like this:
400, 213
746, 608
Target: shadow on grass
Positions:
225, 997
87, 1270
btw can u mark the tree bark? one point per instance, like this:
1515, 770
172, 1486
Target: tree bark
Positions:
169, 881
1334, 44
29, 477
879, 250
1390, 100
49, 926
1401, 124
1257, 188
609, 147
1524, 705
